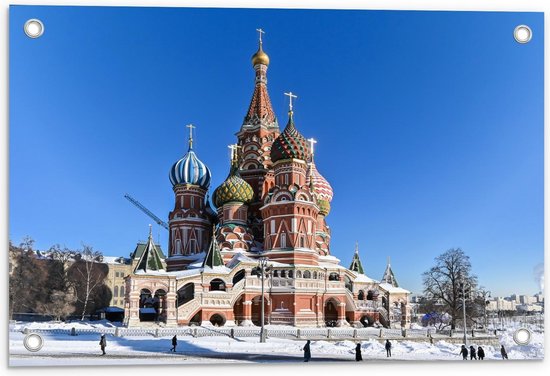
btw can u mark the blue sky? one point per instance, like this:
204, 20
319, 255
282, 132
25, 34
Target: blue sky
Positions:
429, 125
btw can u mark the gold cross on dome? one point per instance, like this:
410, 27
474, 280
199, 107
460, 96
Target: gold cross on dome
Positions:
190, 126
290, 95
260, 32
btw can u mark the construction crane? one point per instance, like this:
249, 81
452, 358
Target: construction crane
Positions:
146, 211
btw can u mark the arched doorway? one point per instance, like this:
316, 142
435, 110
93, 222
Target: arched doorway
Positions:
217, 319
159, 303
257, 310
238, 310
147, 310
331, 312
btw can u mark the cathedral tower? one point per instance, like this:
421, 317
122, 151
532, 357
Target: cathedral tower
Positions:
190, 222
257, 133
290, 211
232, 198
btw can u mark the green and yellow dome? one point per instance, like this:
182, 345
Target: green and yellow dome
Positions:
234, 188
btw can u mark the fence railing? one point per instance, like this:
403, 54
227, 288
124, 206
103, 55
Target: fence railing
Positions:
272, 332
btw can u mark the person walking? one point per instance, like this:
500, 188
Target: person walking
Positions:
307, 351
103, 344
464, 352
388, 348
174, 343
503, 352
473, 353
358, 356
480, 353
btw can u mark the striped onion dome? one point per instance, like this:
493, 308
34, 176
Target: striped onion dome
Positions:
234, 188
289, 144
190, 170
321, 186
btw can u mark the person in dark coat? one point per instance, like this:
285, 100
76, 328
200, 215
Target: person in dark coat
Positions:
103, 343
472, 353
307, 351
388, 348
358, 356
464, 352
480, 353
503, 352
174, 343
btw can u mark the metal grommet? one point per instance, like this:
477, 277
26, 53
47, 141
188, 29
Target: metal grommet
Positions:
523, 33
34, 28
33, 342
522, 336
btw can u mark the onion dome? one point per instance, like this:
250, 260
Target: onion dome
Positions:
320, 185
190, 170
289, 144
260, 57
234, 188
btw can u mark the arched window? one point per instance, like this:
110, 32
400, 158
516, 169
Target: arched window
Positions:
333, 277
275, 273
116, 291
314, 275
361, 295
283, 273
290, 274
122, 291
298, 274
370, 294
217, 285
238, 276
307, 274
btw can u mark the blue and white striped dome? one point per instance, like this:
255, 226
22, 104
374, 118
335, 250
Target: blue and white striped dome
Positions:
190, 170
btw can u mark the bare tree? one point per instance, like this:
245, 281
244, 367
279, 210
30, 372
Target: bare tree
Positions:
442, 283
87, 275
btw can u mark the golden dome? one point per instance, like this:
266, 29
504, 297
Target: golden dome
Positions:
260, 57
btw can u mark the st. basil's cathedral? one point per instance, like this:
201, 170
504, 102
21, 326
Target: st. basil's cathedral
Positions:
273, 206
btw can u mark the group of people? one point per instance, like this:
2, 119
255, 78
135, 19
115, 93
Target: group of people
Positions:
474, 355
358, 355
480, 353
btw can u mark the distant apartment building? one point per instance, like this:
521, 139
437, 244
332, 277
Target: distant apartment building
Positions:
501, 304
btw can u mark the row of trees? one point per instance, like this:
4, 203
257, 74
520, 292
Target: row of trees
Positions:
61, 282
445, 285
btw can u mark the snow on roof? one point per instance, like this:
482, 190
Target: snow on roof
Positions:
362, 277
115, 260
390, 288
187, 273
152, 272
217, 269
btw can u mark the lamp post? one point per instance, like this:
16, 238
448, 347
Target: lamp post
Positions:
463, 293
485, 294
261, 270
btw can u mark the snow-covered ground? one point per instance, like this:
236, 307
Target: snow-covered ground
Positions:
62, 349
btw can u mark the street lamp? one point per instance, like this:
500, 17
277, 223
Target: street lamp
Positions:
485, 294
261, 271
464, 290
